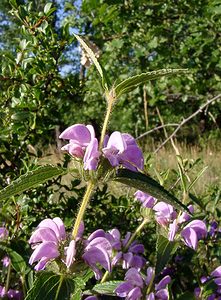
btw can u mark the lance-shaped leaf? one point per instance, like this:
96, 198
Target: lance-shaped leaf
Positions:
106, 288
131, 83
50, 286
31, 179
148, 185
92, 56
164, 250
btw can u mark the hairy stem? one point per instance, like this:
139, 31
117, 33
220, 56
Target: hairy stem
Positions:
8, 277
110, 102
80, 215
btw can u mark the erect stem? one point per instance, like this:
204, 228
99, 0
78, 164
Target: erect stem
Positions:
80, 215
8, 277
110, 101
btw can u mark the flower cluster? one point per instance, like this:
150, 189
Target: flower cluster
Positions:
119, 148
10, 294
215, 276
137, 286
166, 216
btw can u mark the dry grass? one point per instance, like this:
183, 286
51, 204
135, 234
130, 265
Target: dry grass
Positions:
210, 157
166, 159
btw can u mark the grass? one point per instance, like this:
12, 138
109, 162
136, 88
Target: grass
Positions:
166, 159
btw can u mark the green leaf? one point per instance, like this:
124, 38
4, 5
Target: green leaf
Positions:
187, 296
164, 249
47, 8
131, 83
106, 288
92, 56
50, 286
31, 179
197, 177
148, 185
17, 260
209, 288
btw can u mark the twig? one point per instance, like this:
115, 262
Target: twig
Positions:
156, 128
187, 120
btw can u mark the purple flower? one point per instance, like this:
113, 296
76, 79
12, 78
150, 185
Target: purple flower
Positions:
122, 149
132, 287
165, 213
213, 228
98, 250
184, 217
216, 274
92, 155
193, 232
3, 233
91, 298
82, 144
146, 200
6, 261
45, 242
11, 294
134, 283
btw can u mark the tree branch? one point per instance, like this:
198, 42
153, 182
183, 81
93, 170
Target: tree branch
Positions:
187, 120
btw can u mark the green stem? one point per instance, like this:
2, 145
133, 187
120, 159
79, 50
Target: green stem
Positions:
132, 238
8, 277
110, 102
82, 209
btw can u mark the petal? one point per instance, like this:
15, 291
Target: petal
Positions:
190, 237
71, 251
97, 255
150, 296
163, 209
61, 227
134, 294
101, 243
123, 289
3, 232
216, 272
184, 216
172, 230
116, 140
136, 248
91, 298
41, 264
134, 277
132, 158
43, 234
163, 283
127, 260
74, 149
126, 239
45, 249
49, 223
79, 133
138, 262
162, 294
91, 155
217, 281
95, 234
199, 227
129, 140
150, 274
116, 258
